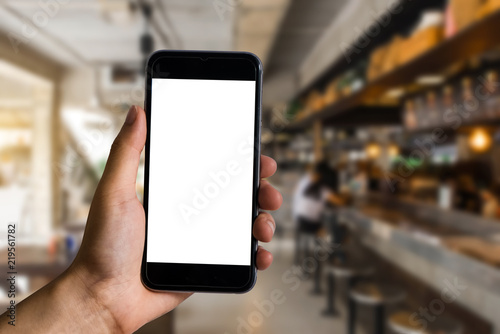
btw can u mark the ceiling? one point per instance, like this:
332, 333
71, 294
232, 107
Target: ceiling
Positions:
106, 32
256, 25
302, 27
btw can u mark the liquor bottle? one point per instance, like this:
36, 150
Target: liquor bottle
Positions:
432, 109
492, 93
446, 104
410, 118
469, 103
421, 113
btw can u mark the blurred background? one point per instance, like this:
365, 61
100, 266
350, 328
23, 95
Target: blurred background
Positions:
384, 117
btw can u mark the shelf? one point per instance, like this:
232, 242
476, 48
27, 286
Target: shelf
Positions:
471, 41
491, 124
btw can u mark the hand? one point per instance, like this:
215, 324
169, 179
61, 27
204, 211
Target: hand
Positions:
105, 276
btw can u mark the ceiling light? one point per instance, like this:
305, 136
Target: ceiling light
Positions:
117, 12
430, 80
479, 140
393, 150
373, 150
395, 93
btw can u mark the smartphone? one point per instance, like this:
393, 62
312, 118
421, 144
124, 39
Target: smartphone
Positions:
202, 161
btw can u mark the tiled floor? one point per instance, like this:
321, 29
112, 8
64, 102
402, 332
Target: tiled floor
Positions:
299, 311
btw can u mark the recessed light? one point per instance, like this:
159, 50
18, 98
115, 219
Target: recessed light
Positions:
395, 93
430, 80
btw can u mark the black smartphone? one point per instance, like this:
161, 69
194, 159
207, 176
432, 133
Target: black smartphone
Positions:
202, 162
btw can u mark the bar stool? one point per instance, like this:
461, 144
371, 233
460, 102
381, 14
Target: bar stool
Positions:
320, 238
348, 270
376, 295
335, 235
336, 230
400, 323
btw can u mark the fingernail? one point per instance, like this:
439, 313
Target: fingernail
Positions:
131, 116
271, 225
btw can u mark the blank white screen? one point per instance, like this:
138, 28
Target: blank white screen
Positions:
201, 171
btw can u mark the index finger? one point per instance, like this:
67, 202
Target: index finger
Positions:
267, 166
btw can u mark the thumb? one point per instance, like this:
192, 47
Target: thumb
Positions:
120, 174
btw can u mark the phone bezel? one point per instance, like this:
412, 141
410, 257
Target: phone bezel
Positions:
215, 66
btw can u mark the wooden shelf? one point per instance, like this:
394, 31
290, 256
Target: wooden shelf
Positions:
474, 40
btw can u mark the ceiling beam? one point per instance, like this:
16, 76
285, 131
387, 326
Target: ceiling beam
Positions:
57, 41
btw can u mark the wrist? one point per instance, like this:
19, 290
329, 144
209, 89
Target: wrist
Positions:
92, 316
66, 305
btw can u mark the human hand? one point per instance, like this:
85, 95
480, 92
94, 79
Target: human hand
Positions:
105, 276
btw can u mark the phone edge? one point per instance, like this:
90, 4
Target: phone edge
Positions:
257, 142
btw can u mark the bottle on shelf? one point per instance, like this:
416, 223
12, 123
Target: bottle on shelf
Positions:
469, 103
410, 118
432, 109
421, 112
492, 93
446, 104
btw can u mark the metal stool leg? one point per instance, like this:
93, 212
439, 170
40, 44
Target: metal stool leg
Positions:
317, 276
379, 319
351, 324
351, 281
330, 297
317, 281
298, 246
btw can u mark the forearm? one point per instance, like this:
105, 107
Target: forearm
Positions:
335, 200
63, 306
